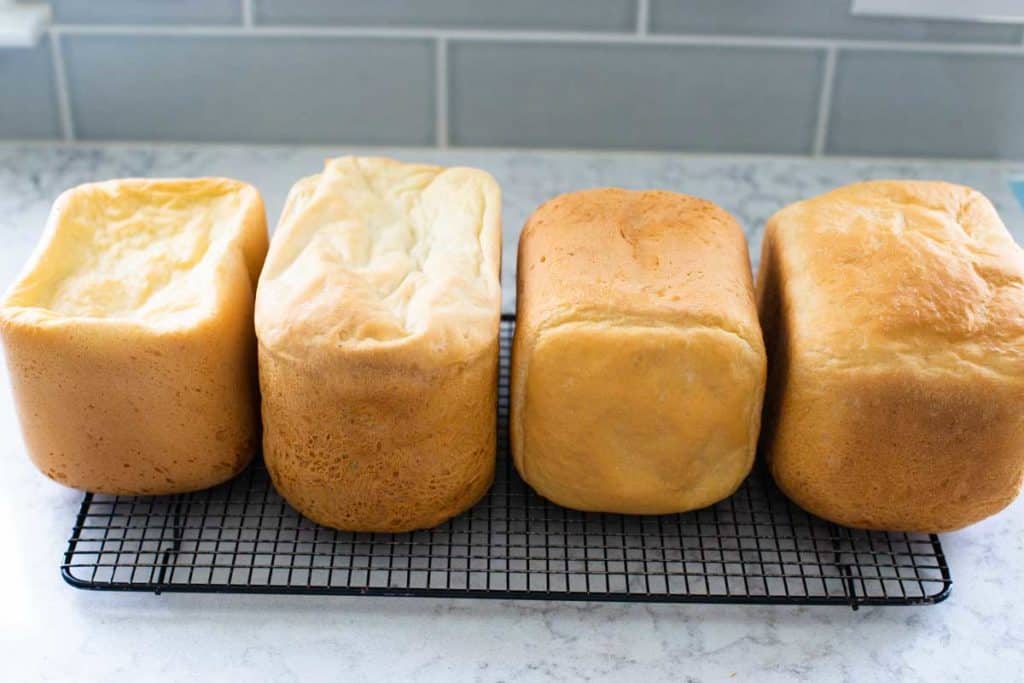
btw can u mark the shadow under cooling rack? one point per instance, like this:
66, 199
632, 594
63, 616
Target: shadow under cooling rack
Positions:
755, 547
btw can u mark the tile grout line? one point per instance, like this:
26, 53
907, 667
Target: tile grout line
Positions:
247, 13
569, 37
828, 78
1010, 165
60, 84
441, 93
643, 13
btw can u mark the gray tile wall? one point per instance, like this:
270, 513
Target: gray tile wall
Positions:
232, 89
968, 105
28, 97
633, 96
147, 11
740, 76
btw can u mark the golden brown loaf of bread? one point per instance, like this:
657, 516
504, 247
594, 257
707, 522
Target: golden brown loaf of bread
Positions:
638, 366
377, 316
894, 319
129, 335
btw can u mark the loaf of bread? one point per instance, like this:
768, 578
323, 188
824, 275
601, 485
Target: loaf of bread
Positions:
129, 335
894, 320
638, 365
377, 315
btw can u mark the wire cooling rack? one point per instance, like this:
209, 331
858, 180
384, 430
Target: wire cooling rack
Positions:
755, 547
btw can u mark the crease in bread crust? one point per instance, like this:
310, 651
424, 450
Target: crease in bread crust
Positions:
575, 314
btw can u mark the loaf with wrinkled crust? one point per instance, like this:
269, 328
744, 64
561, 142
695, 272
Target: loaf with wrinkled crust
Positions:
129, 337
377, 316
638, 367
894, 319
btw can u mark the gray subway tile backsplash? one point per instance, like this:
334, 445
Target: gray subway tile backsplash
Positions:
812, 19
560, 15
533, 73
28, 100
633, 96
928, 104
197, 12
359, 91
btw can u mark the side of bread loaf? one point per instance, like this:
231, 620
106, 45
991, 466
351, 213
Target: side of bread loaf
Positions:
638, 366
377, 316
129, 335
894, 318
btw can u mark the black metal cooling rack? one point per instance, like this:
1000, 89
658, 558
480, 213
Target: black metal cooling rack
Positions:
755, 547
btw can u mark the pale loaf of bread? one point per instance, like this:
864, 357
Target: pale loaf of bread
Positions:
638, 367
894, 319
377, 315
129, 335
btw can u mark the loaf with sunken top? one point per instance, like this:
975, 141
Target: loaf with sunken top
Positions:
377, 315
638, 367
129, 337
894, 319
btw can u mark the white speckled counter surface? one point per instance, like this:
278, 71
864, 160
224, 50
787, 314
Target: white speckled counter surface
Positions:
50, 631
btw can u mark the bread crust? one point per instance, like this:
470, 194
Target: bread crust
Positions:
366, 445
379, 374
127, 403
894, 319
638, 366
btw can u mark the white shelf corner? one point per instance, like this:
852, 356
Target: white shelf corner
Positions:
22, 25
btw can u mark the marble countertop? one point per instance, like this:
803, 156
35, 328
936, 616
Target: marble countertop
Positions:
49, 631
